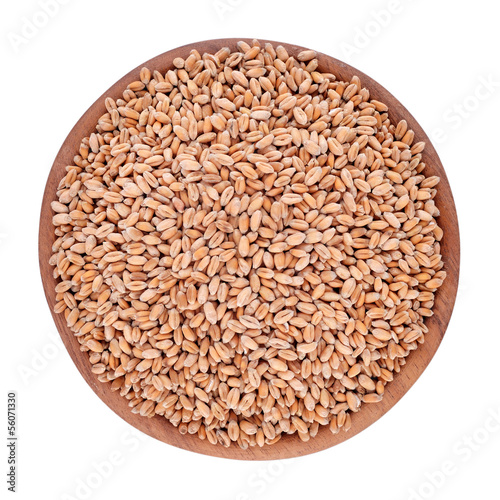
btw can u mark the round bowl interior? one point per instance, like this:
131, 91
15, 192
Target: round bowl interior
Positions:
290, 445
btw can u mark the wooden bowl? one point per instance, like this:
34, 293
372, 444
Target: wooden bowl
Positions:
290, 445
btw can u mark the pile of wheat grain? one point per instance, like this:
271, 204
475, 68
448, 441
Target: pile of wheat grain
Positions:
247, 246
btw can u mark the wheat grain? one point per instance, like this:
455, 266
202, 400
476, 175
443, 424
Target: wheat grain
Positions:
247, 246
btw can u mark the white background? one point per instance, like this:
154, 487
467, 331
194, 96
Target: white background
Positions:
435, 57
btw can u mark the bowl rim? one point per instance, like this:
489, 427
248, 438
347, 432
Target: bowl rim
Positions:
290, 445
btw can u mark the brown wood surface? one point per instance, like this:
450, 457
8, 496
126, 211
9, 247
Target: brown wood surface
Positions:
289, 446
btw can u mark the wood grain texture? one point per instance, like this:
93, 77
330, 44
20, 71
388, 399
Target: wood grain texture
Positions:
289, 446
